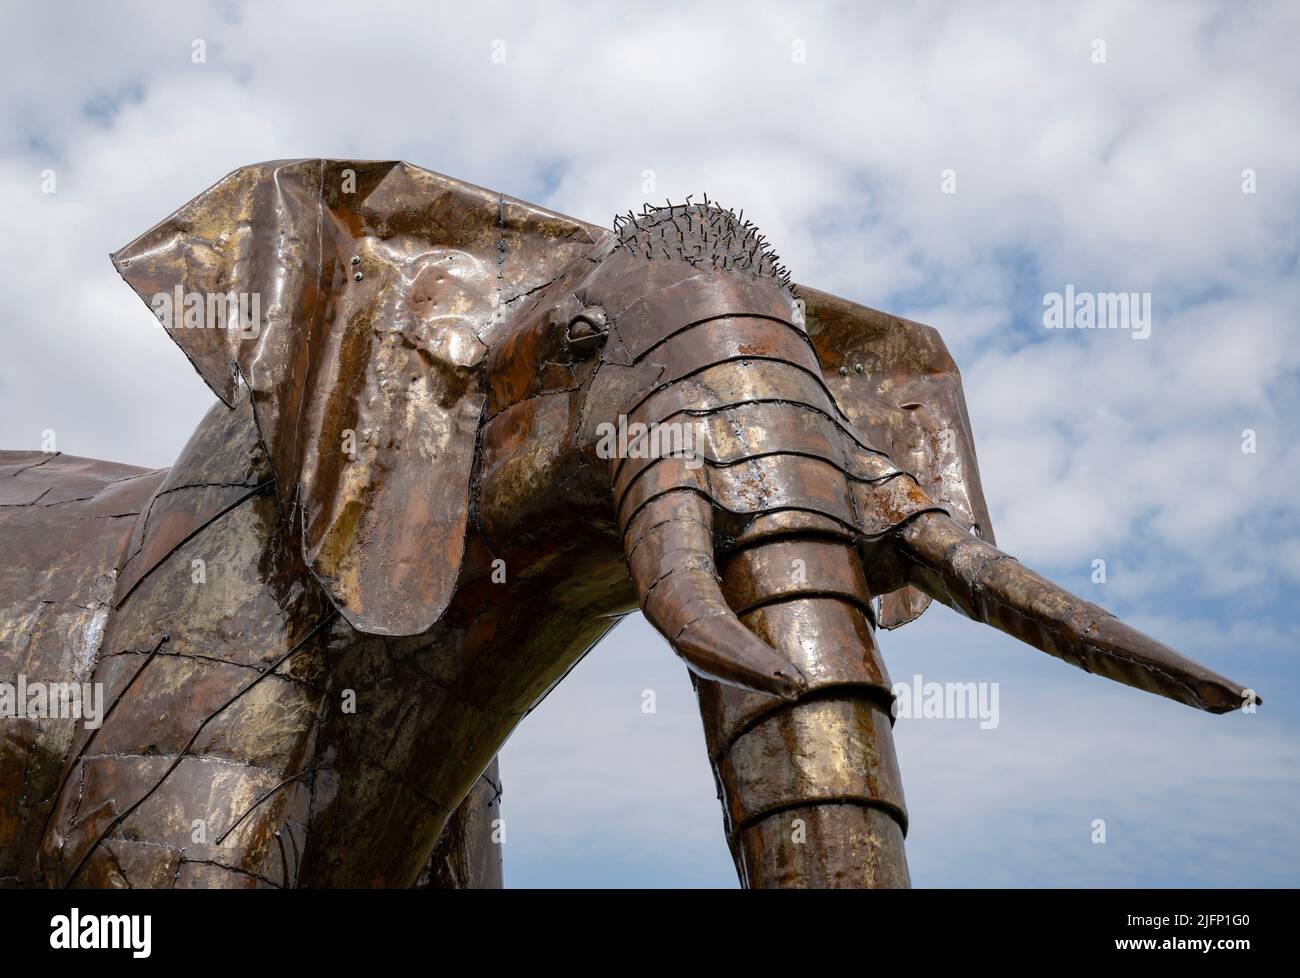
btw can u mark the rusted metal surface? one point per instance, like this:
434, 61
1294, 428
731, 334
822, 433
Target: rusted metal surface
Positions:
467, 856
856, 846
434, 483
64, 523
229, 699
897, 383
986, 585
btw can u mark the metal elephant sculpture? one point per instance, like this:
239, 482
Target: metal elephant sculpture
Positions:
459, 437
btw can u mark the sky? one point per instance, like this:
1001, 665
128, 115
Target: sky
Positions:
952, 163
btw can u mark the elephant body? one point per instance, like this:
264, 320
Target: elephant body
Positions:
225, 755
435, 480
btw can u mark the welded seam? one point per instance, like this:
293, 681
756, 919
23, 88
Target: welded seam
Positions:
644, 534
785, 534
786, 401
860, 801
538, 288
817, 378
81, 753
186, 539
197, 657
717, 464
32, 502
856, 531
875, 696
232, 869
697, 561
402, 782
284, 863
851, 598
732, 408
35, 465
623, 496
81, 499
555, 392
185, 751
637, 358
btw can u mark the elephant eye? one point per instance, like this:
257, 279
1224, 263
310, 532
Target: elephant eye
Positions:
586, 332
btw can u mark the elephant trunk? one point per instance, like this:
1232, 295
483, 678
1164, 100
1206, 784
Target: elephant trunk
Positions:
770, 609
809, 781
811, 791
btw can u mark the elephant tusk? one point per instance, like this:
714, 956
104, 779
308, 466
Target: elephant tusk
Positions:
989, 586
669, 546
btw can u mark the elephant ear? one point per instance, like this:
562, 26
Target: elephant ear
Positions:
368, 291
899, 385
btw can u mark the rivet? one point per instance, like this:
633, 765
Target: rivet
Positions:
858, 367
844, 371
358, 276
356, 259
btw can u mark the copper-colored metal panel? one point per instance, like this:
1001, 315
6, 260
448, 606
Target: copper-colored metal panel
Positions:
784, 523
216, 680
681, 506
524, 450
220, 686
831, 643
835, 846
50, 478
790, 568
745, 431
63, 529
821, 750
719, 385
752, 486
651, 301
889, 503
468, 853
897, 382
217, 469
538, 350
831, 640
732, 338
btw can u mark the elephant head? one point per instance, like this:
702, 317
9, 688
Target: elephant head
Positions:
456, 388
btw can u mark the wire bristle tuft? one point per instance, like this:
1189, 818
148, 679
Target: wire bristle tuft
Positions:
735, 244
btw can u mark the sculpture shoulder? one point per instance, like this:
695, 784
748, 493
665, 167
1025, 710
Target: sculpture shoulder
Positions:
221, 465
212, 565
